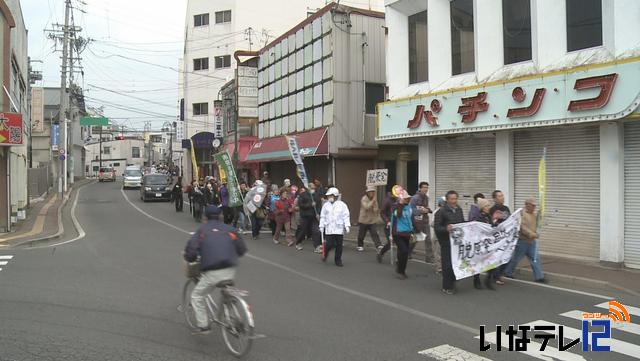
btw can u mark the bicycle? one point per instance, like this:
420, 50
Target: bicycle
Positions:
234, 317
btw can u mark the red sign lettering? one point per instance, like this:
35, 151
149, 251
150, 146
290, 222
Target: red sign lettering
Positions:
605, 82
471, 106
420, 114
519, 95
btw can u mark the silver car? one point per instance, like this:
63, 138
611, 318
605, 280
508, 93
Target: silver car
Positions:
132, 178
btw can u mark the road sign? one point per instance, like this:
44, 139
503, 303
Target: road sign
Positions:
54, 147
94, 121
61, 156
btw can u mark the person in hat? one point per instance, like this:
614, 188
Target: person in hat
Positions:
368, 218
527, 242
446, 217
420, 202
334, 223
219, 246
282, 214
402, 227
265, 179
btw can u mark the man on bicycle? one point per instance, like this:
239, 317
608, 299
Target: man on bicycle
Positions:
219, 247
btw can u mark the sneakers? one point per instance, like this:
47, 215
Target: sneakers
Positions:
379, 248
379, 257
275, 241
449, 292
201, 331
299, 247
318, 249
339, 264
360, 249
291, 243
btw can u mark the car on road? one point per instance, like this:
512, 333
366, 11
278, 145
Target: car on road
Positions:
107, 174
132, 178
155, 186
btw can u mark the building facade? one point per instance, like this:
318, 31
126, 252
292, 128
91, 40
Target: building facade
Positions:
115, 153
488, 89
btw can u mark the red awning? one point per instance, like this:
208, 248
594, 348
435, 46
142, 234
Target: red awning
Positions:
311, 143
245, 144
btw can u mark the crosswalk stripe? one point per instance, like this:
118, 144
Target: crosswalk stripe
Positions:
622, 326
6, 257
447, 352
632, 310
533, 349
617, 346
2, 263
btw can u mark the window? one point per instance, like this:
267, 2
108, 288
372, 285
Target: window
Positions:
223, 16
418, 57
135, 152
201, 20
584, 24
201, 64
116, 164
374, 95
462, 49
516, 30
106, 150
200, 108
223, 61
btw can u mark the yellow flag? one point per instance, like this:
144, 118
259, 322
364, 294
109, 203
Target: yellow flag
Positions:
196, 176
542, 186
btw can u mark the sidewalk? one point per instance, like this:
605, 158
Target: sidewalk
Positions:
557, 269
43, 220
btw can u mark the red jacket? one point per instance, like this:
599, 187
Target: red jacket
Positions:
283, 211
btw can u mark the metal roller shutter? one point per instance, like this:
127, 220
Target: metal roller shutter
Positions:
632, 195
466, 165
572, 219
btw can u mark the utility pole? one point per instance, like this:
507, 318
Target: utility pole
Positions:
62, 182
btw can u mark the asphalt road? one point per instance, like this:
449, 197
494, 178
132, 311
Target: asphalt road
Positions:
113, 295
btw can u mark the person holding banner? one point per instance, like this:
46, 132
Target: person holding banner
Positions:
308, 225
527, 243
385, 213
484, 216
402, 227
446, 217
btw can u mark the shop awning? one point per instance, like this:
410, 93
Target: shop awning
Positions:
245, 144
311, 143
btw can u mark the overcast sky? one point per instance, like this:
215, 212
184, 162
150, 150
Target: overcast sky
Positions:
123, 31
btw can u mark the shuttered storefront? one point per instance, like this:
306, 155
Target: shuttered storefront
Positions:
632, 195
572, 220
466, 165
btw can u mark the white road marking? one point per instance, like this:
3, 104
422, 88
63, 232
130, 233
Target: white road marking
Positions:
3, 263
617, 346
533, 349
632, 310
6, 257
448, 352
622, 326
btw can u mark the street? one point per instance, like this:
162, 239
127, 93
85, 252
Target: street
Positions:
114, 295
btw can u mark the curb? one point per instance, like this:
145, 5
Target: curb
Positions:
60, 232
554, 277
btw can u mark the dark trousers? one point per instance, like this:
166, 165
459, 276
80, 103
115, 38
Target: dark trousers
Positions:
227, 214
362, 232
308, 228
387, 246
178, 201
448, 277
333, 241
272, 226
256, 225
402, 242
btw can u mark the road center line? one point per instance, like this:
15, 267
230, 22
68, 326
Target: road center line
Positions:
366, 296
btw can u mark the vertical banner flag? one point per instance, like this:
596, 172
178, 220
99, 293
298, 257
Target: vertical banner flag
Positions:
542, 186
224, 162
478, 247
297, 158
196, 176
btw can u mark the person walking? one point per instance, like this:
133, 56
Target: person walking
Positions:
437, 260
227, 212
447, 216
272, 198
308, 222
368, 219
385, 213
527, 243
402, 227
177, 195
499, 213
283, 211
260, 215
474, 210
239, 217
420, 202
484, 216
334, 223
197, 201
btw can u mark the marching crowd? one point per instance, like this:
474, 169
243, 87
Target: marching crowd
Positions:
318, 214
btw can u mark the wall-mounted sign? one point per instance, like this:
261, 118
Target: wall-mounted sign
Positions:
247, 89
10, 129
217, 118
37, 110
602, 92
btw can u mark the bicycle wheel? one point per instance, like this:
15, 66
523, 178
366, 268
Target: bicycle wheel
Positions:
237, 325
187, 308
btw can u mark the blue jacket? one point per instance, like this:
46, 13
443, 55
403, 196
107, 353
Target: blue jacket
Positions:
218, 245
403, 223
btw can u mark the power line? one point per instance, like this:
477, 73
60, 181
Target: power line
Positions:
131, 96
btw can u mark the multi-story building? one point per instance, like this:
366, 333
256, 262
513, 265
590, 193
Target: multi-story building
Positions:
115, 153
214, 31
489, 88
320, 82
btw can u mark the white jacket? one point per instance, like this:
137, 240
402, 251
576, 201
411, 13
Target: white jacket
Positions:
334, 217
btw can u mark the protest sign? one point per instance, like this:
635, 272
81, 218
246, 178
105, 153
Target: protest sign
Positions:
377, 177
224, 162
297, 158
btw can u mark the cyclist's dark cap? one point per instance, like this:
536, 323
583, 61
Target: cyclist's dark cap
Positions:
212, 211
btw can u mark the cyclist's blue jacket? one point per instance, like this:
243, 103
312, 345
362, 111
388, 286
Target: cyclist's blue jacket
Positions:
219, 246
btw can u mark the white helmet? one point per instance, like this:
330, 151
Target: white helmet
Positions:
333, 191
258, 182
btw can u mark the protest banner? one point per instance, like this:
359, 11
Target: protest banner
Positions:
224, 162
377, 177
478, 247
297, 158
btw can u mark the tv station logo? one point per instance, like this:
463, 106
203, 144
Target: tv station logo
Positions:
596, 327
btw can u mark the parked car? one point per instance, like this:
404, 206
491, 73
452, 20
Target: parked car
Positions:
155, 186
132, 178
107, 174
